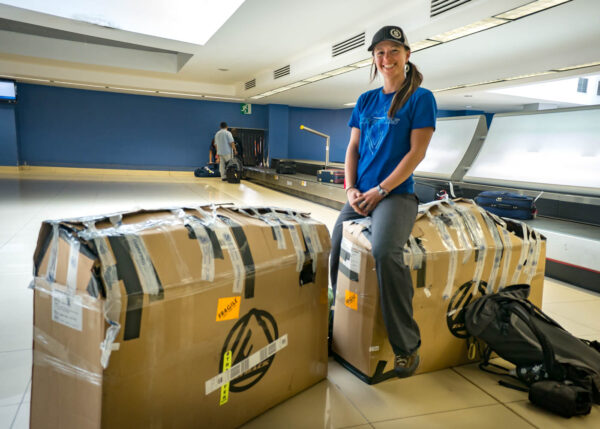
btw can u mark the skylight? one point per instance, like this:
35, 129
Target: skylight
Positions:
190, 21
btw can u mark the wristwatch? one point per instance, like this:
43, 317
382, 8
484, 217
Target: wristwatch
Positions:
382, 191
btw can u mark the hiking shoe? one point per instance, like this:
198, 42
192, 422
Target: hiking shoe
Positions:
405, 366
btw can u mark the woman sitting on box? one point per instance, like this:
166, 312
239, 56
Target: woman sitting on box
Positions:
390, 130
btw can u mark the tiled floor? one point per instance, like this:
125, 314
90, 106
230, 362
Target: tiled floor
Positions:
460, 397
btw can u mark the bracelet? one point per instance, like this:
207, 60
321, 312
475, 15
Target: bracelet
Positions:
350, 187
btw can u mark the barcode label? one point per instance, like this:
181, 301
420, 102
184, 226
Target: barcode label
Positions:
241, 367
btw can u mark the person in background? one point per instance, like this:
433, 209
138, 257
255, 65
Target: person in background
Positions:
391, 127
212, 153
225, 148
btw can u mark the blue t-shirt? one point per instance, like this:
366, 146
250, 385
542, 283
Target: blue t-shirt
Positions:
384, 141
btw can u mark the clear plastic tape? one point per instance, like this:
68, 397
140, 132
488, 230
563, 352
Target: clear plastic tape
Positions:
459, 226
497, 251
478, 238
53, 258
182, 269
72, 268
41, 359
298, 248
113, 304
227, 242
525, 246
451, 247
125, 229
143, 263
535, 256
507, 258
208, 253
42, 284
272, 221
308, 238
416, 252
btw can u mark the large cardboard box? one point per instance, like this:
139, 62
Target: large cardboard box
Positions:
179, 318
457, 251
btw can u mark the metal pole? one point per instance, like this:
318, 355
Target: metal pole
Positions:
327, 138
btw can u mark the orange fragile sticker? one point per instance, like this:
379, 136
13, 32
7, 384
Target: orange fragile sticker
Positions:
351, 300
228, 308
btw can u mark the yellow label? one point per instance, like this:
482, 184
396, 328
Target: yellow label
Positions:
351, 300
225, 387
228, 308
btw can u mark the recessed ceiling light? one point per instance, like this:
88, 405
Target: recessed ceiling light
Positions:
529, 75
580, 66
223, 98
79, 84
414, 47
129, 89
529, 8
315, 78
256, 97
223, 70
363, 63
185, 94
466, 30
350, 104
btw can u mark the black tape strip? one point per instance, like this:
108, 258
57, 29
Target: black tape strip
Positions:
92, 288
352, 275
242, 242
421, 273
214, 241
135, 294
47, 231
378, 375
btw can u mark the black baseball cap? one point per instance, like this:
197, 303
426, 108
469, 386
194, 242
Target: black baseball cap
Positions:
389, 32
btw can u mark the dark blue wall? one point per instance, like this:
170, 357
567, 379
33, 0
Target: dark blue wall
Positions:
73, 127
277, 135
80, 128
8, 135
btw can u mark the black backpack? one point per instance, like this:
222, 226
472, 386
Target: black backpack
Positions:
233, 170
562, 371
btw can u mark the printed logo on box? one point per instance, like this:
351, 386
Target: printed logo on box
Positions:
228, 308
351, 300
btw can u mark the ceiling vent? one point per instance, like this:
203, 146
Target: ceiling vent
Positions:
440, 6
348, 45
250, 84
283, 71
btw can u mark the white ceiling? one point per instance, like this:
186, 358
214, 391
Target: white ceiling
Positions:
264, 35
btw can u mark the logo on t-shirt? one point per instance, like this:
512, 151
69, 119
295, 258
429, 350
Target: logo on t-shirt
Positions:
375, 130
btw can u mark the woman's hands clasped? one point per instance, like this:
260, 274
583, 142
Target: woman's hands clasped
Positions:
363, 203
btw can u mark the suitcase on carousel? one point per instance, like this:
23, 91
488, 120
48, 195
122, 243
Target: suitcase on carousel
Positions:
286, 167
507, 204
330, 176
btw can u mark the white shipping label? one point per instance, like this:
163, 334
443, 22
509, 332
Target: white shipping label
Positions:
66, 309
353, 264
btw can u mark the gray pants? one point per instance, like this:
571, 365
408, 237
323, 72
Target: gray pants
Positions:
392, 223
223, 159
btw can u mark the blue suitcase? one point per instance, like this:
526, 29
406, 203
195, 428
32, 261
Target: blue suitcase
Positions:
507, 204
330, 176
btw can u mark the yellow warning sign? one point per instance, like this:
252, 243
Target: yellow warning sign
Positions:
351, 300
228, 308
225, 387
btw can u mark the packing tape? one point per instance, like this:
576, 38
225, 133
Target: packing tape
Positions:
53, 258
112, 305
273, 222
534, 256
183, 272
298, 248
243, 248
41, 359
457, 223
507, 258
416, 253
478, 239
451, 247
204, 241
241, 367
72, 267
525, 245
497, 250
143, 263
312, 244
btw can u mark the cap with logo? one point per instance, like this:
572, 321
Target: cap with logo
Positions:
391, 33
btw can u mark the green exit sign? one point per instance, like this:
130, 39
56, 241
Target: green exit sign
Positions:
246, 108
